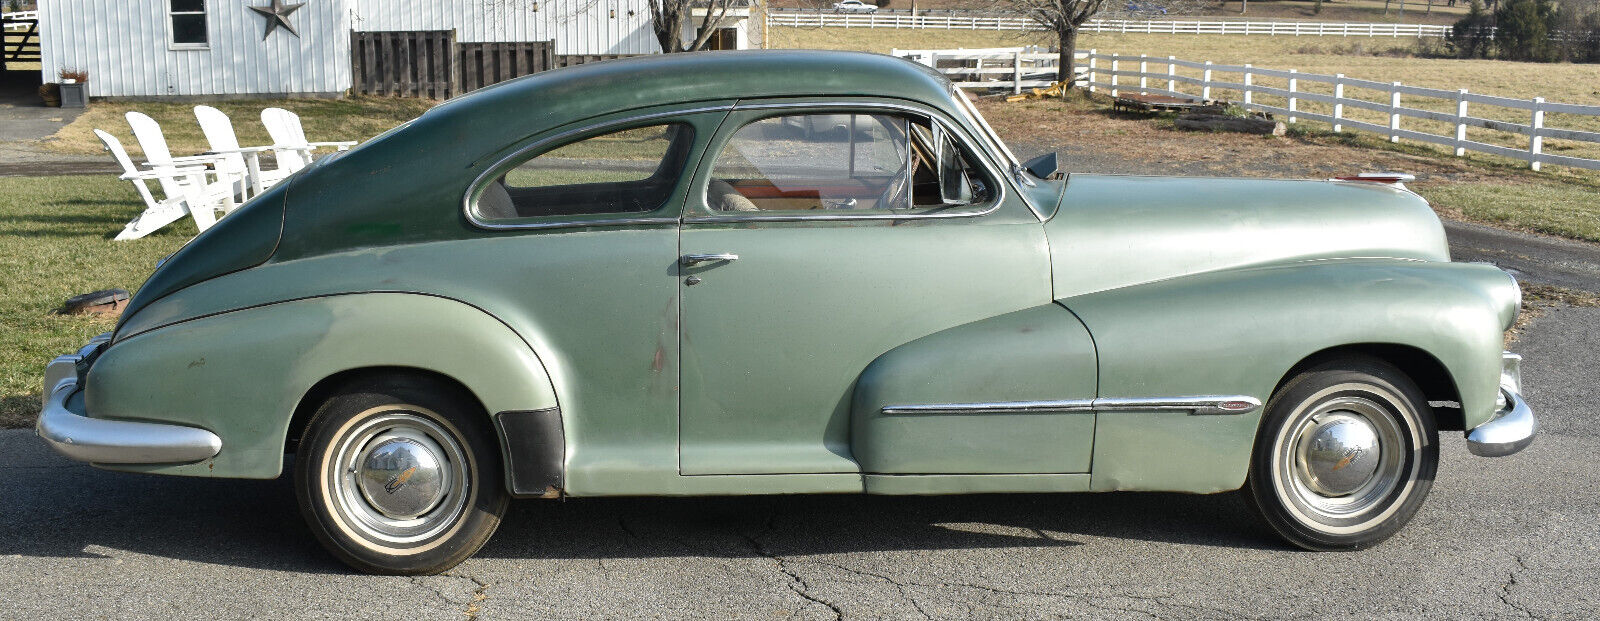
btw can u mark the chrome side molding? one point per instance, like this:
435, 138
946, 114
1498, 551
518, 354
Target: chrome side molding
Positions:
1199, 406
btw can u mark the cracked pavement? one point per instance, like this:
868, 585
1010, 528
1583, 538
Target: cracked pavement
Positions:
1515, 537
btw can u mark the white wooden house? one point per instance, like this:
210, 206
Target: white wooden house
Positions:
222, 48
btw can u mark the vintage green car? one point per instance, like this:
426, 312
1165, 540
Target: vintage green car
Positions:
789, 272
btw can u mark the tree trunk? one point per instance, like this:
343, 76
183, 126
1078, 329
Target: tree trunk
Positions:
1064, 63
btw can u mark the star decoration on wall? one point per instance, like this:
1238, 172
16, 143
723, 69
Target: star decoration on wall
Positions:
277, 14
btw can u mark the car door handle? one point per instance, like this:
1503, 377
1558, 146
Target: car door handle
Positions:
695, 259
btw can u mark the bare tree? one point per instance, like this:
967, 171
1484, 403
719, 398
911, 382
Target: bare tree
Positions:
1063, 17
668, 17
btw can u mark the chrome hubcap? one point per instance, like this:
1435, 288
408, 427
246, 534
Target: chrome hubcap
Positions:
402, 474
1342, 460
398, 477
1340, 452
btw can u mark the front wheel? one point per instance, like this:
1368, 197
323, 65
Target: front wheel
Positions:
1346, 454
400, 476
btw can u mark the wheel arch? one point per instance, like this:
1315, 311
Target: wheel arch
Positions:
1429, 373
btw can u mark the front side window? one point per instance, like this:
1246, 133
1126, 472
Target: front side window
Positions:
844, 162
621, 172
188, 19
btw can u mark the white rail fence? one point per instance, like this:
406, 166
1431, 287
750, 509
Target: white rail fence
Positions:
10, 25
1285, 92
1002, 22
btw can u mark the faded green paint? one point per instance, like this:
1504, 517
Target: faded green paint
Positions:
1043, 353
1114, 231
241, 374
1184, 288
1238, 332
931, 484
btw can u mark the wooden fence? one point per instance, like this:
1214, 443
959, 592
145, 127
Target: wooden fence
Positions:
1284, 93
1011, 22
431, 63
405, 64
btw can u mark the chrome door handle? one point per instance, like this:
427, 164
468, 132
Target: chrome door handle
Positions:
694, 259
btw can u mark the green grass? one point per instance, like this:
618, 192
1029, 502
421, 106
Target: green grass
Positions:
55, 242
324, 120
1545, 206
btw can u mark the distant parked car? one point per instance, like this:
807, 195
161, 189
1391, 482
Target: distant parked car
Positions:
854, 6
648, 277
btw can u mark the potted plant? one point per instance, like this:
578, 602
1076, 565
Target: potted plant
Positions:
74, 88
50, 92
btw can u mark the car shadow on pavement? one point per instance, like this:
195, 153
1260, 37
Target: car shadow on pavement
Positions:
56, 509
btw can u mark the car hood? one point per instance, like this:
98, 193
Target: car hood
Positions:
1115, 231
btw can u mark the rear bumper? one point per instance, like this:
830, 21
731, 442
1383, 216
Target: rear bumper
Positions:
95, 440
1513, 426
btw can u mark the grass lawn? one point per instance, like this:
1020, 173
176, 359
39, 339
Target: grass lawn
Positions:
324, 120
55, 242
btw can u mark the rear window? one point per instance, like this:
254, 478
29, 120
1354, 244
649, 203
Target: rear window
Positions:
629, 171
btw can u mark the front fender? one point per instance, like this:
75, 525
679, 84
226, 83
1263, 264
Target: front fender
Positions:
240, 374
1239, 332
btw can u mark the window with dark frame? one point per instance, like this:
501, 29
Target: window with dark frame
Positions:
628, 171
188, 23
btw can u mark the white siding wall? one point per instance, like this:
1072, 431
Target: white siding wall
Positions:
576, 26
123, 45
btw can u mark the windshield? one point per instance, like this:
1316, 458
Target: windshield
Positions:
976, 118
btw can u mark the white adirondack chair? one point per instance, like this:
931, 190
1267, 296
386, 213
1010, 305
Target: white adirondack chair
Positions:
289, 138
218, 129
223, 184
180, 187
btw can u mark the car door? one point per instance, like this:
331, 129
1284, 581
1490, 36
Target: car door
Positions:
818, 237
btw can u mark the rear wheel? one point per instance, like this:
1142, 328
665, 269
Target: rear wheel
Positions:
400, 476
1346, 454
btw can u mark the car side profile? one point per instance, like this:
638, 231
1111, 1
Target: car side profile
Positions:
627, 278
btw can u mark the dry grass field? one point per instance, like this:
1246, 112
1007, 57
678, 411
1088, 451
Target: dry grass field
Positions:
1412, 12
1379, 59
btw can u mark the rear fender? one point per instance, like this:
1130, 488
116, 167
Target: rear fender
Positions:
241, 374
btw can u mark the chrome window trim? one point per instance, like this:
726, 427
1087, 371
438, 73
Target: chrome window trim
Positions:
1199, 406
483, 177
983, 160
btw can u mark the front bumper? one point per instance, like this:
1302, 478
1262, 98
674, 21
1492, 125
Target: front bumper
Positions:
111, 441
1513, 426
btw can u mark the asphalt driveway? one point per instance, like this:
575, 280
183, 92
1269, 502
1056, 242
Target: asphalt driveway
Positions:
1514, 537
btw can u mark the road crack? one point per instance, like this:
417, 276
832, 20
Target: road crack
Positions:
795, 583
1511, 580
479, 595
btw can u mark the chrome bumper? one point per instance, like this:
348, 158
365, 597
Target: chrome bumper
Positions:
111, 441
1513, 426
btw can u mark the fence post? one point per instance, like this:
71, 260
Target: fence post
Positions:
1294, 84
1114, 69
1461, 123
1205, 84
1536, 141
1172, 69
1394, 113
1247, 83
1338, 96
1093, 55
1016, 73
1144, 68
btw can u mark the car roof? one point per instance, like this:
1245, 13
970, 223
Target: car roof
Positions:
549, 99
